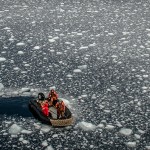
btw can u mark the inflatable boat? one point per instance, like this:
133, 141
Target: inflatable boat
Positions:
35, 109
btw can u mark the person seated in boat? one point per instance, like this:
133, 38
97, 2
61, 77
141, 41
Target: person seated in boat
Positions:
41, 97
45, 109
60, 106
52, 97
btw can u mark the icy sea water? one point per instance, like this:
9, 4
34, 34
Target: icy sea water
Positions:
96, 53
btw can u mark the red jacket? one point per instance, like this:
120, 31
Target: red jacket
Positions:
45, 109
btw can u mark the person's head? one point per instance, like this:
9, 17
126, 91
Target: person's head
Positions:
52, 91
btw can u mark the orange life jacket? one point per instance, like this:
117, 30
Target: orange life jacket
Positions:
53, 96
60, 106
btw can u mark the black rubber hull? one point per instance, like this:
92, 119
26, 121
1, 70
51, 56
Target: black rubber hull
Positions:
35, 109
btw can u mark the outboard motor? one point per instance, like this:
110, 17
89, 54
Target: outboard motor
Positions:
41, 97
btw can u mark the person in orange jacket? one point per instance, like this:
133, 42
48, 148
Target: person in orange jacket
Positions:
60, 106
45, 109
52, 97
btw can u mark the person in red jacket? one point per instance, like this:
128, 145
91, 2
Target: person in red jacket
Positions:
52, 97
60, 106
45, 109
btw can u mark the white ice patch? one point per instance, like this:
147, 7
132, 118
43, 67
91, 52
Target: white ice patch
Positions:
92, 45
110, 34
147, 29
86, 126
1, 86
44, 143
114, 88
25, 141
77, 71
109, 127
2, 59
59, 53
36, 48
25, 90
84, 95
51, 40
15, 129
131, 144
83, 47
147, 147
45, 128
101, 125
125, 131
20, 52
82, 67
26, 132
16, 68
79, 34
20, 44
69, 76
49, 148
137, 136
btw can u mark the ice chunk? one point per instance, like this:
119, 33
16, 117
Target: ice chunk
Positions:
93, 96
101, 125
25, 90
37, 126
15, 129
147, 147
147, 29
131, 144
55, 136
114, 88
77, 71
82, 67
141, 131
84, 95
1, 86
110, 33
109, 127
44, 143
107, 111
137, 136
83, 47
59, 53
69, 76
79, 34
26, 131
125, 131
25, 142
86, 126
2, 59
49, 148
145, 76
92, 45
16, 68
20, 52
21, 139
45, 128
36, 47
51, 40
20, 44
114, 56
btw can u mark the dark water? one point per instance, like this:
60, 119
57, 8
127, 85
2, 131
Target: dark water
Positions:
15, 106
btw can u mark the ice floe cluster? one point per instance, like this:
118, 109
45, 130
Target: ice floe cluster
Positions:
97, 52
